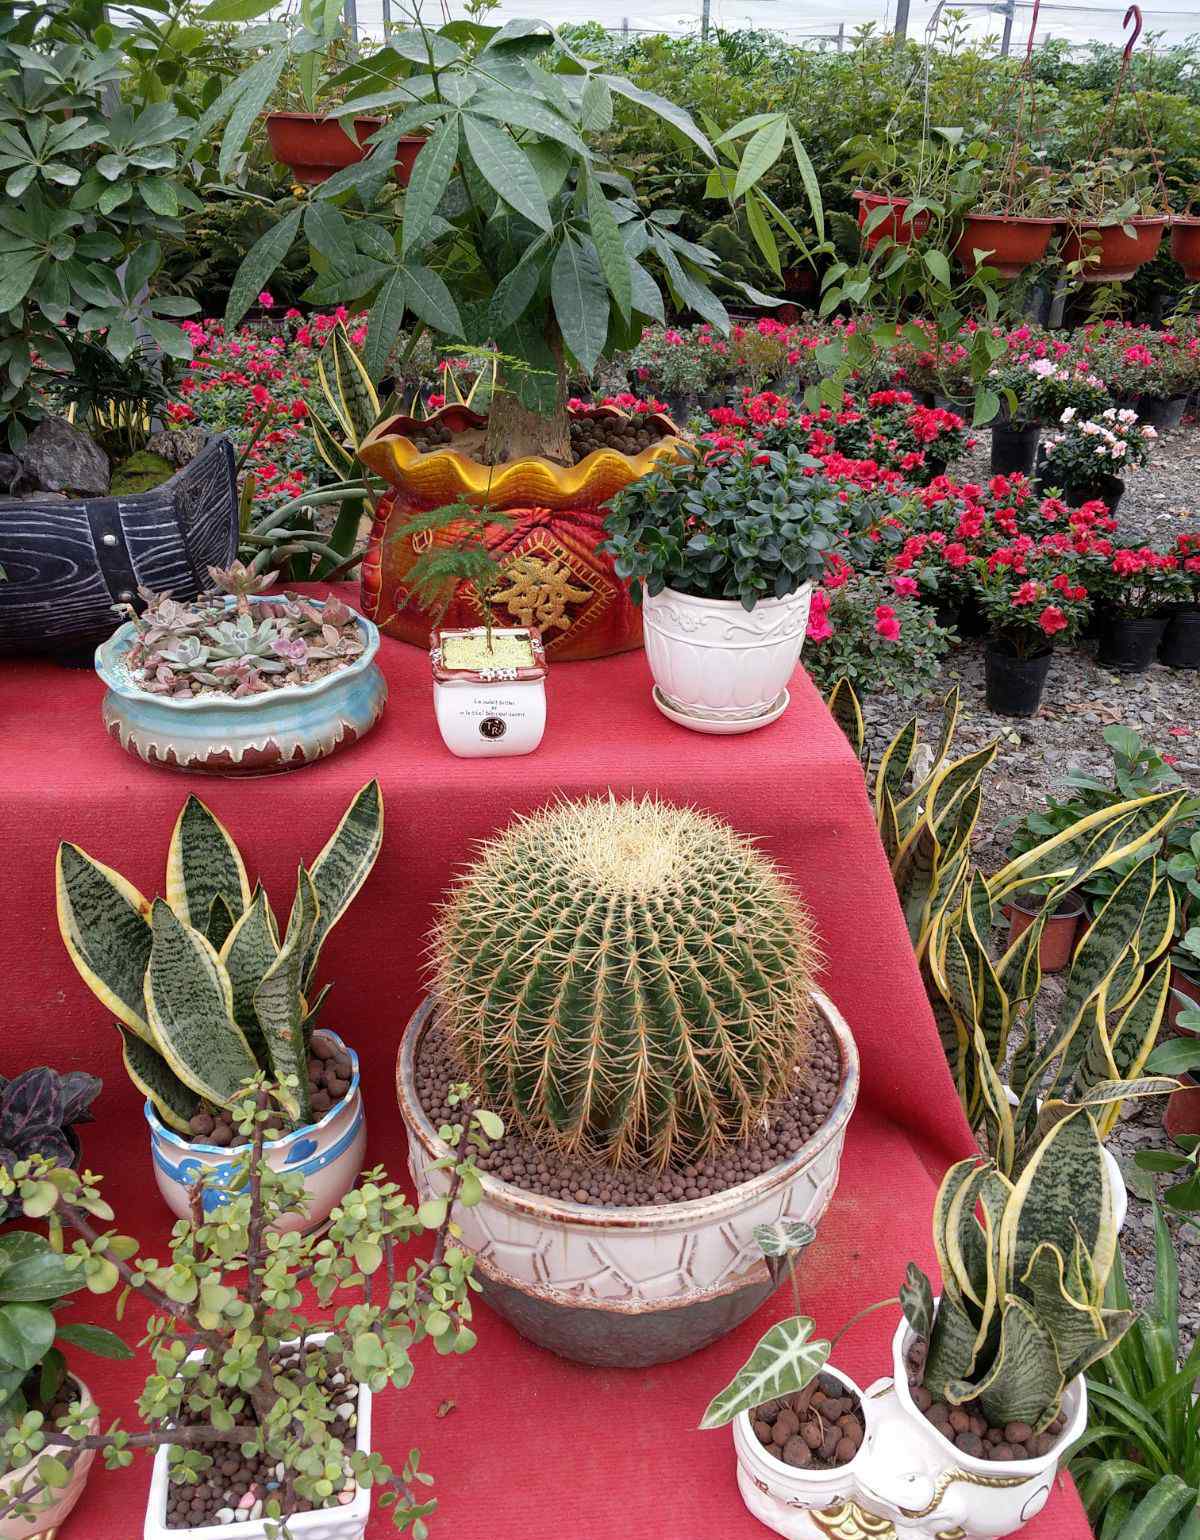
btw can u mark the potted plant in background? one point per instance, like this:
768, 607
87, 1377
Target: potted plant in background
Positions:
205, 996
1131, 589
1008, 227
721, 553
1180, 645
896, 186
299, 1427
1147, 371
1035, 393
1085, 458
1113, 222
618, 1146
238, 683
1029, 604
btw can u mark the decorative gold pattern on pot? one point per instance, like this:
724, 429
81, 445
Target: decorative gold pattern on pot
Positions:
947, 1479
539, 591
847, 1521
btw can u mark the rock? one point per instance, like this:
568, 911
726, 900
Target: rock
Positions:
59, 457
177, 446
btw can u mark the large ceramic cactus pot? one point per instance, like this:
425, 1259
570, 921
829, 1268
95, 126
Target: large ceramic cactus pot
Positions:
559, 581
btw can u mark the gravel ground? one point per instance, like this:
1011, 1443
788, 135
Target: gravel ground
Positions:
1035, 755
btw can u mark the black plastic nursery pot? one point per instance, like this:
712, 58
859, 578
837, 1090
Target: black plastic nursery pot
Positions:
1129, 643
1180, 644
1014, 685
1014, 447
1109, 489
1160, 414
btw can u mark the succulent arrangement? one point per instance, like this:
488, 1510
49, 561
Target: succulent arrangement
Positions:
38, 1111
239, 1369
208, 646
625, 979
204, 993
1022, 1308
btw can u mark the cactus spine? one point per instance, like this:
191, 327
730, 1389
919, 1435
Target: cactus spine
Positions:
629, 980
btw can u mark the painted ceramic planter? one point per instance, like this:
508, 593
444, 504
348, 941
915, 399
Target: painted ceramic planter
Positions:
46, 1521
556, 578
896, 226
638, 1285
313, 147
1013, 242
346, 1522
489, 711
799, 1504
1120, 255
328, 1154
257, 735
714, 660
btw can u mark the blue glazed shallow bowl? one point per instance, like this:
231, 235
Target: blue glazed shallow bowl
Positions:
281, 729
328, 1154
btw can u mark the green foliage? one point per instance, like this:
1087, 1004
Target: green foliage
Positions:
39, 1109
906, 667
203, 1009
784, 1361
231, 1290
1024, 1267
1138, 1465
672, 959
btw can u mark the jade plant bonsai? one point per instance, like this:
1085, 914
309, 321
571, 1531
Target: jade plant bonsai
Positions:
204, 993
515, 231
38, 1111
672, 959
240, 1369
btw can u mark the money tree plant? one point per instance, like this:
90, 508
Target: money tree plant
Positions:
239, 1367
515, 230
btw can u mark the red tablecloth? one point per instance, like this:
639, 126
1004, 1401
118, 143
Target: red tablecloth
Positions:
534, 1447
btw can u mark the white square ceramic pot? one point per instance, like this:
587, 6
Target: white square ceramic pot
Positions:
348, 1521
488, 712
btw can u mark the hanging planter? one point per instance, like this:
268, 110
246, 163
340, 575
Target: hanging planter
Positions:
1185, 244
314, 147
1120, 253
897, 226
1013, 241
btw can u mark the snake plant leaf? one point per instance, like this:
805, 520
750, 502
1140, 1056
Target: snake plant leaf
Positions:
953, 783
279, 1004
344, 865
916, 1301
1024, 1383
1155, 935
189, 1004
220, 921
1132, 1040
175, 1103
1063, 1192
249, 951
961, 1178
1019, 971
785, 1360
347, 385
951, 1343
915, 873
104, 923
335, 454
1137, 821
896, 761
1076, 1325
998, 1113
845, 710
202, 862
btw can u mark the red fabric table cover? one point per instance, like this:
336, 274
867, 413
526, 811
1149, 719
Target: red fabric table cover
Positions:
534, 1448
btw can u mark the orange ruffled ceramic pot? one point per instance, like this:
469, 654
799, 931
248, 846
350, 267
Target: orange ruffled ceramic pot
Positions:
556, 579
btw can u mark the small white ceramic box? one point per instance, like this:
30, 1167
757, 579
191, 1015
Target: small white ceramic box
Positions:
490, 710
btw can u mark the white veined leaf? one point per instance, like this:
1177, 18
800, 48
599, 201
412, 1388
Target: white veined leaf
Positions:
784, 1361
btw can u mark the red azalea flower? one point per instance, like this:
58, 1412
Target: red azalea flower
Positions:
1028, 593
1052, 619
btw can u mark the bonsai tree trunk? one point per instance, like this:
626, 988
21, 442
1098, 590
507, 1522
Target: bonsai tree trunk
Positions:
514, 432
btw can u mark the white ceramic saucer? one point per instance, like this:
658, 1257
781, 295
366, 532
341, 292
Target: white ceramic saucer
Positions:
711, 725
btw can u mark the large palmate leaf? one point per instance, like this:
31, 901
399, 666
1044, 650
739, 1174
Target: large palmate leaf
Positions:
203, 864
1024, 1383
175, 1103
784, 1361
344, 865
104, 922
279, 1004
189, 1005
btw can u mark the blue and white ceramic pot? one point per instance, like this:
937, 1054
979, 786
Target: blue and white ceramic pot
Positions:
217, 735
328, 1154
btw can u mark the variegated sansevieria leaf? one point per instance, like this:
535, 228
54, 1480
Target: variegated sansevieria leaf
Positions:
189, 1005
1024, 1382
953, 783
1076, 1323
997, 1110
202, 863
279, 1005
104, 923
845, 710
337, 457
960, 1180
916, 1301
785, 1360
347, 385
783, 1238
1155, 935
344, 865
249, 950
220, 921
1063, 1191
952, 1343
174, 1102
897, 758
908, 807
1138, 821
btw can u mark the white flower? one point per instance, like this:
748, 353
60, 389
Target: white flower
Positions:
1042, 367
1068, 415
1126, 416
1118, 450
1090, 428
1102, 449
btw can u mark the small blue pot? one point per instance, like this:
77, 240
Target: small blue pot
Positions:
256, 735
328, 1154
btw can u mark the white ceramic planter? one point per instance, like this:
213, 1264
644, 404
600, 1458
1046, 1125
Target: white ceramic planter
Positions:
328, 1154
345, 1522
713, 660
492, 711
48, 1518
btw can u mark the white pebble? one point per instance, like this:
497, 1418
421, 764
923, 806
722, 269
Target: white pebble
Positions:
345, 1410
280, 1471
257, 1511
224, 1515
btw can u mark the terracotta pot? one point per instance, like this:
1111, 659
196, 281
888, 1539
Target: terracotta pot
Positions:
1185, 243
1181, 1117
1120, 255
560, 582
630, 1286
896, 227
314, 147
49, 1515
1015, 242
1057, 945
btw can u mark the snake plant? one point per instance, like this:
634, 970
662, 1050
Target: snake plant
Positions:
205, 993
